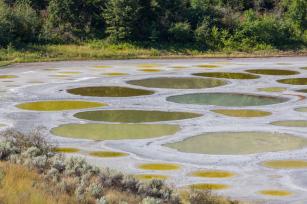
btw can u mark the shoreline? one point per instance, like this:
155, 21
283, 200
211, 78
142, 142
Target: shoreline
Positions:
62, 53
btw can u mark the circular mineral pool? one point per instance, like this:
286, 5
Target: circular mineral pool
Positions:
245, 113
212, 174
236, 143
108, 91
102, 66
283, 63
273, 89
226, 99
178, 82
291, 123
95, 131
7, 76
150, 70
179, 67
146, 177
272, 71
207, 66
148, 65
209, 186
286, 164
294, 81
301, 109
274, 192
227, 75
302, 90
134, 116
159, 166
58, 105
115, 74
65, 150
50, 69
35, 82
69, 73
106, 154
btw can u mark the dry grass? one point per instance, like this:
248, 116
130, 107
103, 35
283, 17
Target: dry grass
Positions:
102, 50
115, 197
18, 185
204, 197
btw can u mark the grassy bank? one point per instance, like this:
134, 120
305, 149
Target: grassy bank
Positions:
30, 172
98, 50
19, 185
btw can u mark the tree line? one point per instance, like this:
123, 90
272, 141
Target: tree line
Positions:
207, 24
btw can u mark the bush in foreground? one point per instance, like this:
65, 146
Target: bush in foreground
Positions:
75, 180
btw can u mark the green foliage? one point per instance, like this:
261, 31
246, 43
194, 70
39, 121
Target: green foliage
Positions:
121, 17
164, 14
35, 4
203, 34
5, 24
70, 20
297, 14
236, 4
181, 32
26, 23
18, 24
216, 25
264, 30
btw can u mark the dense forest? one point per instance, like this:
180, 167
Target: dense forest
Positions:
206, 24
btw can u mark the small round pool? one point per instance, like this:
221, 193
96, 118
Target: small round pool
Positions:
226, 99
178, 82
